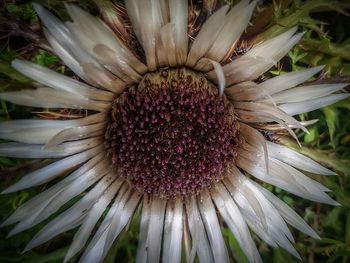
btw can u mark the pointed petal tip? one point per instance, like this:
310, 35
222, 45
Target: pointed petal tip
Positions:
298, 257
341, 85
337, 204
26, 249
318, 68
7, 191
330, 173
292, 30
316, 236
11, 189
32, 244
299, 35
306, 131
331, 201
12, 233
312, 233
5, 223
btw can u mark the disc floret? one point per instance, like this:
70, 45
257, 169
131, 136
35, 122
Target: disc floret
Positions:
172, 134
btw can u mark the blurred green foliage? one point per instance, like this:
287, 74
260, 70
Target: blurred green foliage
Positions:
326, 42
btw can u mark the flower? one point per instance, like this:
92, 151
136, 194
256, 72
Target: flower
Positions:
174, 127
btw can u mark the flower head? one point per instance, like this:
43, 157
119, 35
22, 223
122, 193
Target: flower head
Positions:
176, 123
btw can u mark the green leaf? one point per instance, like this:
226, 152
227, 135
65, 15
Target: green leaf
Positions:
312, 136
347, 230
45, 59
332, 119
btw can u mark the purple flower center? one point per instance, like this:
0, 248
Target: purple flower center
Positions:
173, 134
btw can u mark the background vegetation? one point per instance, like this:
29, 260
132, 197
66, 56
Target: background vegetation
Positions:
326, 42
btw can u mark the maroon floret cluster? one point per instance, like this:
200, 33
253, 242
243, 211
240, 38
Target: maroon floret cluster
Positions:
172, 134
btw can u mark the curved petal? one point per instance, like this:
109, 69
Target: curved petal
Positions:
50, 98
260, 58
58, 81
51, 171
200, 243
72, 217
147, 19
37, 131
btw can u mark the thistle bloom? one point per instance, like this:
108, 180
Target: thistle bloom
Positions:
175, 129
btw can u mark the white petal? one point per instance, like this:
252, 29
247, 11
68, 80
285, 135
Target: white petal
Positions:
260, 58
95, 249
66, 56
19, 150
288, 80
212, 226
206, 36
267, 110
41, 131
51, 171
234, 219
92, 32
62, 35
235, 22
123, 214
288, 213
144, 225
43, 199
114, 62
274, 230
305, 93
76, 187
151, 240
166, 47
190, 253
310, 105
39, 135
172, 245
71, 50
285, 177
296, 159
50, 98
219, 75
71, 217
58, 81
179, 17
91, 219
257, 140
76, 133
244, 91
243, 69
252, 91
273, 48
200, 241
92, 74
146, 18
270, 115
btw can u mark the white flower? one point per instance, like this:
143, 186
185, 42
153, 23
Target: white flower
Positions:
170, 129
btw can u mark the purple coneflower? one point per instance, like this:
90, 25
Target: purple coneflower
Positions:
172, 131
